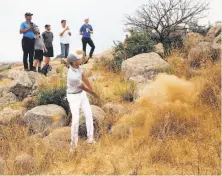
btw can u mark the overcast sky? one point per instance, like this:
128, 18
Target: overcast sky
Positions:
106, 17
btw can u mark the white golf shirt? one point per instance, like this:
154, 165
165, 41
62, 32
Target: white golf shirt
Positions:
65, 38
74, 80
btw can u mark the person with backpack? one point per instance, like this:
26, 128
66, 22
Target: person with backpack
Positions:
77, 87
48, 39
39, 48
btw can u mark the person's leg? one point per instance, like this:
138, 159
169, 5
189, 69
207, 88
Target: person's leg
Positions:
74, 104
85, 106
66, 50
35, 63
84, 43
62, 52
91, 44
31, 53
25, 54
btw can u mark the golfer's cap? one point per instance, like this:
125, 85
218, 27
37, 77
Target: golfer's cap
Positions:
71, 58
86, 18
28, 14
47, 25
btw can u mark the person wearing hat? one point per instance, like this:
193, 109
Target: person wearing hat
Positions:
28, 28
86, 30
77, 86
48, 39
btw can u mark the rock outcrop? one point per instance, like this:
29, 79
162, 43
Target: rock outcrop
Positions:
143, 67
98, 118
42, 117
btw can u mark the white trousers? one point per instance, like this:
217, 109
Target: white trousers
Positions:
77, 102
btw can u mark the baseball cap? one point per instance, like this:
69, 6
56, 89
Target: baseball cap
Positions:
28, 14
72, 57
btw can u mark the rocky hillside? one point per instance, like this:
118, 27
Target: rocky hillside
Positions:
158, 115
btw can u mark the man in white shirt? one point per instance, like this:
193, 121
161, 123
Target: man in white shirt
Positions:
64, 40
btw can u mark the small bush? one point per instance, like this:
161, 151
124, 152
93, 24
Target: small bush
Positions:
136, 44
126, 90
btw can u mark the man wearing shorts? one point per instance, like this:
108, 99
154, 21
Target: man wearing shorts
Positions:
39, 48
48, 39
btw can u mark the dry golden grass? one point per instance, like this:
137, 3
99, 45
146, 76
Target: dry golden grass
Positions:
173, 129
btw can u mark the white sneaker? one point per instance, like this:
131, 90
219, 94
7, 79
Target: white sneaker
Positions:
91, 141
73, 146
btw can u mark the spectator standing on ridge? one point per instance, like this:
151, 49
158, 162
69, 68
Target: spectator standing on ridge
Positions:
48, 39
64, 40
78, 84
39, 48
28, 28
86, 30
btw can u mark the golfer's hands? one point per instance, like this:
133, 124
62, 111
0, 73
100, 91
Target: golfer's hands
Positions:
67, 28
46, 51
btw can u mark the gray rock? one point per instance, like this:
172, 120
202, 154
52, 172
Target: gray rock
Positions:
24, 83
145, 65
98, 118
114, 108
24, 164
8, 116
4, 90
217, 43
159, 49
42, 117
7, 99
13, 74
213, 33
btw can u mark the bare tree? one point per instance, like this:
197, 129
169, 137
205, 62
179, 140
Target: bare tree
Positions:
166, 16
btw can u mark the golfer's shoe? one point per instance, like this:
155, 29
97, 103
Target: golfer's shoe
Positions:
91, 141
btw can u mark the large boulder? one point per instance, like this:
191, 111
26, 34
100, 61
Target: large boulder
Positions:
143, 67
24, 83
98, 118
213, 33
24, 164
158, 48
7, 99
114, 108
42, 117
217, 43
8, 116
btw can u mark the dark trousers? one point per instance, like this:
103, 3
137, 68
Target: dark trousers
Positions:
89, 41
28, 50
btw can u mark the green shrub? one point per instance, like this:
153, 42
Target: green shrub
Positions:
54, 95
136, 44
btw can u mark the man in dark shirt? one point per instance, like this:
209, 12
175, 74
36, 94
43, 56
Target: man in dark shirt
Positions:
48, 39
28, 28
86, 30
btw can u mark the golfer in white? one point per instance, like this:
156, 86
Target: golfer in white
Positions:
78, 85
